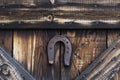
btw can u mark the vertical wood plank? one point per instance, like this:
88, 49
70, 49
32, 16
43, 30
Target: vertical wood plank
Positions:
113, 35
6, 39
30, 49
87, 45
67, 73
54, 69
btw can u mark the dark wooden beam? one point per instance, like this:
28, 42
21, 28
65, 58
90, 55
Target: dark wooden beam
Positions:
61, 16
53, 25
40, 2
88, 12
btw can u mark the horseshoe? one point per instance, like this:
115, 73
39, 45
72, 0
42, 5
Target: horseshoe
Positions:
68, 49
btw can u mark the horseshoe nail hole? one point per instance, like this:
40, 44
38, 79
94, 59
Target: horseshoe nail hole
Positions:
67, 42
67, 52
67, 47
0, 69
51, 62
50, 48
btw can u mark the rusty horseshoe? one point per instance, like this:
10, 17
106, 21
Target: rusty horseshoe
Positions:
68, 49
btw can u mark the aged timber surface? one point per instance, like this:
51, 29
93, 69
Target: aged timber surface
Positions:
60, 17
87, 45
30, 48
103, 63
68, 25
59, 13
40, 2
67, 12
41, 14
79, 15
6, 39
11, 69
112, 35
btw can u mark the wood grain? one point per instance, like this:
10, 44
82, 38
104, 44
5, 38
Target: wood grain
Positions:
6, 39
60, 17
112, 35
66, 13
93, 43
36, 2
30, 49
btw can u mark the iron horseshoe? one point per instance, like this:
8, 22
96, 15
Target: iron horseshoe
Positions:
68, 49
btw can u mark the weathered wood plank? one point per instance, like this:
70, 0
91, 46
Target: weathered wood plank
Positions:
90, 1
6, 39
104, 65
30, 49
11, 69
66, 13
69, 25
60, 17
36, 2
112, 35
55, 68
87, 45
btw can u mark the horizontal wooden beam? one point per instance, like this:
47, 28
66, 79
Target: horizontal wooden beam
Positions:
64, 12
62, 16
54, 25
40, 2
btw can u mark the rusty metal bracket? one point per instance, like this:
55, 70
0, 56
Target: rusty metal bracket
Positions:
68, 49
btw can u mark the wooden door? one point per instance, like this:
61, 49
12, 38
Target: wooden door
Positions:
29, 47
